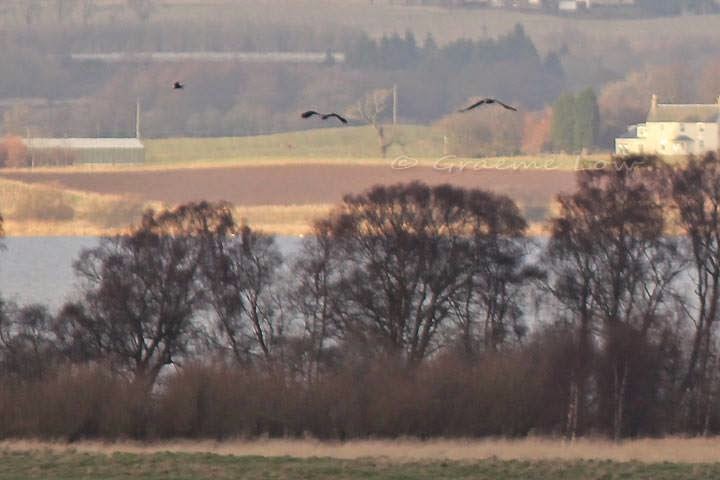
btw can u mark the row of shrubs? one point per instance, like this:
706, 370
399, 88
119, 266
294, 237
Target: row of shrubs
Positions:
444, 397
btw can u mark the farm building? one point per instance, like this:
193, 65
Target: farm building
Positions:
85, 150
673, 129
574, 5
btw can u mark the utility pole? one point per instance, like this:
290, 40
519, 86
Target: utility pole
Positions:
137, 119
32, 151
395, 104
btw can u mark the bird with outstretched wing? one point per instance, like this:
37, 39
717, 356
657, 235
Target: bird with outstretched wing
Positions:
323, 116
334, 115
487, 101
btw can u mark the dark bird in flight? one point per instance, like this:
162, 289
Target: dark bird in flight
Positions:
323, 116
178, 86
488, 101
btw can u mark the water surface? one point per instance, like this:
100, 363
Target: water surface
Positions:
39, 269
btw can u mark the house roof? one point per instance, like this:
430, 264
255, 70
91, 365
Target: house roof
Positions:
631, 132
683, 138
84, 143
684, 113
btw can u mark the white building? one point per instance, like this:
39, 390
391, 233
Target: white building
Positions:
568, 5
85, 150
674, 129
574, 5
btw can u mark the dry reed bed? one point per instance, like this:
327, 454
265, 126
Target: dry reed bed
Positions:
676, 450
97, 214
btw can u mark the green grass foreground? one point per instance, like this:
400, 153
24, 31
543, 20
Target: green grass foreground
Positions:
74, 465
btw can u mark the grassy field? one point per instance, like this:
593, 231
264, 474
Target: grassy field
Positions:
496, 460
327, 145
45, 465
421, 145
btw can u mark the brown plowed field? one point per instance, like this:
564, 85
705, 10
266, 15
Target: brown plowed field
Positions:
293, 184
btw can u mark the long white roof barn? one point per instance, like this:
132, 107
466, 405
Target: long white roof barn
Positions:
85, 150
84, 143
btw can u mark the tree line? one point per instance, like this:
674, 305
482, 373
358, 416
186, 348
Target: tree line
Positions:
411, 310
394, 51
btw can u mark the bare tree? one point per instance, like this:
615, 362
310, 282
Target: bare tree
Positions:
28, 344
391, 265
612, 267
316, 271
696, 193
370, 109
241, 278
489, 307
141, 291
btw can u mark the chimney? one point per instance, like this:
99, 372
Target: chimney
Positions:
654, 103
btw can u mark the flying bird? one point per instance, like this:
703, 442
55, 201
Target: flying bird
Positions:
178, 86
323, 116
488, 101
334, 115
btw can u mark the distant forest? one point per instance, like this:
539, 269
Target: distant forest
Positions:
239, 99
44, 92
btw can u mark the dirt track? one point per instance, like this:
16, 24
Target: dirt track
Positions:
288, 185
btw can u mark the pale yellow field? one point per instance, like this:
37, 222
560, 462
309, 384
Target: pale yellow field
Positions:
28, 210
444, 163
697, 450
286, 220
